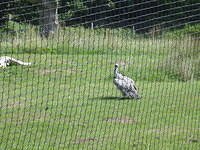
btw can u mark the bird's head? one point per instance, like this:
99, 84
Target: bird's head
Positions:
116, 70
116, 65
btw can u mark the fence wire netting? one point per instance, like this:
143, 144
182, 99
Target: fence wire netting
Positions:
109, 74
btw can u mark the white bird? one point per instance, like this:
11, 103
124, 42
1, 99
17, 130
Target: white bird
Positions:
125, 84
6, 61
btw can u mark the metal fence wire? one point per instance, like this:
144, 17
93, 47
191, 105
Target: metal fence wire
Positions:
107, 74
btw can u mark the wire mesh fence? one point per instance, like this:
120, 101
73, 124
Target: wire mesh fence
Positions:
109, 74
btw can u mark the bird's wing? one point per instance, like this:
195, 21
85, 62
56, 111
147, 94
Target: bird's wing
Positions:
127, 88
134, 87
127, 79
126, 83
122, 84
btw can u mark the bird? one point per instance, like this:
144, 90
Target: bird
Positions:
7, 61
125, 84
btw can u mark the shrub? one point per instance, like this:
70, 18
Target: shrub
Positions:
183, 63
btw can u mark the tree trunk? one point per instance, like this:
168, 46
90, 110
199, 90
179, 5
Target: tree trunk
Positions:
4, 10
49, 18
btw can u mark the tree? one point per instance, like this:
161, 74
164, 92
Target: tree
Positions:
48, 17
143, 15
38, 12
3, 12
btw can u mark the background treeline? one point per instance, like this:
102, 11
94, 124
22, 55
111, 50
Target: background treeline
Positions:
142, 15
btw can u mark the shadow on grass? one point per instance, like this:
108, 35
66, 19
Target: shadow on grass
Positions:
110, 98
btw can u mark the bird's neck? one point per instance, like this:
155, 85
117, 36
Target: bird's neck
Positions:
115, 72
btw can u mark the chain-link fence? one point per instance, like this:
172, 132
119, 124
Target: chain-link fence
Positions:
107, 74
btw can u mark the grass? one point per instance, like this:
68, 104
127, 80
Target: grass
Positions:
67, 99
178, 55
70, 102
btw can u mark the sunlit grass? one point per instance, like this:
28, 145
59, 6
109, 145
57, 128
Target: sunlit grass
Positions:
63, 101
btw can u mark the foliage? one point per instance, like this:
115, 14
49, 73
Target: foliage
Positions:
26, 12
143, 15
4, 12
188, 30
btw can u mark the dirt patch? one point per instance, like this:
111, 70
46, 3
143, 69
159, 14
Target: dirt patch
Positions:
121, 120
26, 118
47, 71
169, 130
94, 139
84, 140
71, 71
161, 130
44, 71
13, 104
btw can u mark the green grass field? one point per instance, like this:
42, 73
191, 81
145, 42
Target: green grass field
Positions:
70, 102
67, 100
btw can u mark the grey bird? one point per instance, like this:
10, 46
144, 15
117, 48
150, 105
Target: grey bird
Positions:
125, 84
